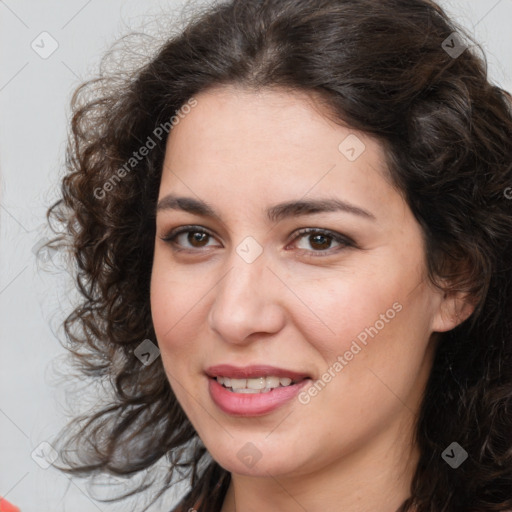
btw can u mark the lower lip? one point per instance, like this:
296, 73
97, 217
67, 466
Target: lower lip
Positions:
252, 404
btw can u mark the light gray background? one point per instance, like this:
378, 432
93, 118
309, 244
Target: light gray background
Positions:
34, 99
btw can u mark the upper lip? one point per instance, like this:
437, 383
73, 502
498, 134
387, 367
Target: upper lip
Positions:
253, 371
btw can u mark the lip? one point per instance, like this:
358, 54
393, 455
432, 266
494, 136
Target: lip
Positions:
253, 371
256, 404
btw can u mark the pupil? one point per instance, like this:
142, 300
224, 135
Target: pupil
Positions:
317, 240
196, 237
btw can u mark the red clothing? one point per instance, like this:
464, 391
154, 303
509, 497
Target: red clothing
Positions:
6, 506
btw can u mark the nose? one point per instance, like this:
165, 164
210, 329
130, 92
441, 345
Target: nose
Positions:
248, 302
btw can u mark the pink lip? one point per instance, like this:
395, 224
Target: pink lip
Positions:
250, 372
257, 404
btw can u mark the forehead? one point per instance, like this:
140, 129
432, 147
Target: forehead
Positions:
238, 117
269, 142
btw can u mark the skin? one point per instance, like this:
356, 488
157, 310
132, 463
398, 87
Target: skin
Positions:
299, 305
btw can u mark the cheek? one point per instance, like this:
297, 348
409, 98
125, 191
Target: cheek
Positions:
172, 310
172, 301
381, 347
174, 295
341, 310
179, 300
376, 321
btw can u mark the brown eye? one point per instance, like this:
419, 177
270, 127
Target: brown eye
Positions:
189, 237
320, 241
197, 238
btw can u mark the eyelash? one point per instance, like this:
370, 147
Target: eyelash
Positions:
344, 241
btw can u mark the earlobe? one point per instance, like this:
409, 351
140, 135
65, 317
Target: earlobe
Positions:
454, 308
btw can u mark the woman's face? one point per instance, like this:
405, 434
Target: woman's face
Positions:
346, 305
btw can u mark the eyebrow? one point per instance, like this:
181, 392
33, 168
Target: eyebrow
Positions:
274, 213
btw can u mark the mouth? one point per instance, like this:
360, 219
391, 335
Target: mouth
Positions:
253, 390
256, 384
256, 376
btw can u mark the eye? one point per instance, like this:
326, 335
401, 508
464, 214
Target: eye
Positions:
188, 237
321, 240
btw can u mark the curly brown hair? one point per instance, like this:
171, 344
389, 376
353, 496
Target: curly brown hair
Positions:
384, 68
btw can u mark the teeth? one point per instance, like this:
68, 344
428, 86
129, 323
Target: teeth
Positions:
272, 382
238, 383
255, 385
251, 391
259, 383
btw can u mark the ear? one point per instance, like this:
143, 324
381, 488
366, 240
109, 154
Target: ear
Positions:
454, 308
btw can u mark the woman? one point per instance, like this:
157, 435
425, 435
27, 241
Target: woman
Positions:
302, 204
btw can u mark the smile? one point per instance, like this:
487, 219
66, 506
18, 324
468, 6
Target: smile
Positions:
256, 385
